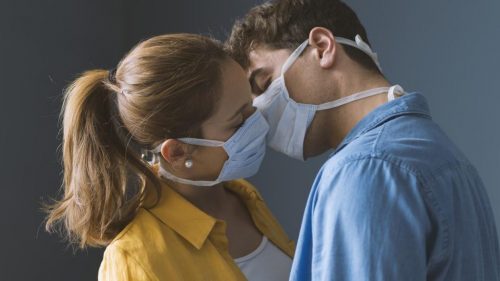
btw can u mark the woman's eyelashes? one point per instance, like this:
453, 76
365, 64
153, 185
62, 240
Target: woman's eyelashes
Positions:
240, 123
237, 123
266, 85
260, 86
263, 87
256, 89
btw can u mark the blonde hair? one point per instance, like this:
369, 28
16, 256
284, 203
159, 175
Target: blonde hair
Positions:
164, 88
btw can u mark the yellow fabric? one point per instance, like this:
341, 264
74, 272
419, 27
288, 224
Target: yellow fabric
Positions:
177, 241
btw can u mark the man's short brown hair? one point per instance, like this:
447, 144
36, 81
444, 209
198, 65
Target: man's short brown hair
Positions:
284, 24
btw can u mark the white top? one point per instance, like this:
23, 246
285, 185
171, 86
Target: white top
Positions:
267, 262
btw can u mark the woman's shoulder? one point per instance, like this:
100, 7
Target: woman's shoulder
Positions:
123, 257
141, 240
134, 229
147, 247
142, 234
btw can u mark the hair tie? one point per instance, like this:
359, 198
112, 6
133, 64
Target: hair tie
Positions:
111, 75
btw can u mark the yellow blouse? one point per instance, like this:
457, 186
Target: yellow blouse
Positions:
177, 241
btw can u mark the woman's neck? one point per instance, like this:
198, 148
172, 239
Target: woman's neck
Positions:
212, 200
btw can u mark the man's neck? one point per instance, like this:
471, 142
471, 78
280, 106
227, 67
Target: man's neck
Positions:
343, 119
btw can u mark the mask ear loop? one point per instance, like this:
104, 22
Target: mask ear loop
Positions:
153, 156
164, 173
361, 45
293, 56
202, 142
193, 141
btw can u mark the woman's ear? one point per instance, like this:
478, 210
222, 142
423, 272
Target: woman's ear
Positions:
175, 153
323, 42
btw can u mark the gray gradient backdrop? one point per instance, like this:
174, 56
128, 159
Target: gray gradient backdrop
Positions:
447, 50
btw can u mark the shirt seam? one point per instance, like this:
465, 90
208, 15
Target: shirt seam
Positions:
397, 112
427, 194
432, 181
377, 139
127, 254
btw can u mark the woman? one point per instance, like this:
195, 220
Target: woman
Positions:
187, 215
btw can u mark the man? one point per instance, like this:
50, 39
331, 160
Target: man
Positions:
396, 200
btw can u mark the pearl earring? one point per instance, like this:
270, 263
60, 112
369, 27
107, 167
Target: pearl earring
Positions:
188, 164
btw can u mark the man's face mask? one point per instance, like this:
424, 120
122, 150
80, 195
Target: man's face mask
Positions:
289, 120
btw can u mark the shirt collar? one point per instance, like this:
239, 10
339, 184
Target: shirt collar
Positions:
187, 220
410, 103
183, 217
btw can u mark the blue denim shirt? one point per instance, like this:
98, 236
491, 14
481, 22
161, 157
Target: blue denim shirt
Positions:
398, 201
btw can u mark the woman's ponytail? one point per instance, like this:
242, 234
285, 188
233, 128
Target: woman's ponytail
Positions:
99, 199
165, 87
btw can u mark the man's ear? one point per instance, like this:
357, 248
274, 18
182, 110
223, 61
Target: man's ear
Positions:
175, 153
323, 42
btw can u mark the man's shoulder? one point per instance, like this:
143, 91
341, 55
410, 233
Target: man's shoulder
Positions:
410, 142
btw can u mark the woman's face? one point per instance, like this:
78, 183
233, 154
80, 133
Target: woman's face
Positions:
234, 106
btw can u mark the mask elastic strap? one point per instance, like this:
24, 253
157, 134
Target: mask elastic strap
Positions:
202, 142
194, 141
358, 44
166, 174
361, 45
293, 57
354, 97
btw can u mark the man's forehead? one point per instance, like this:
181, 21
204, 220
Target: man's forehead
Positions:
257, 58
264, 57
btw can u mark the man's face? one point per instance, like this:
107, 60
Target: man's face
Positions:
304, 79
303, 82
265, 66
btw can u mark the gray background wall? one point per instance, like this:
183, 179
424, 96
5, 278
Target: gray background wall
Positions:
447, 50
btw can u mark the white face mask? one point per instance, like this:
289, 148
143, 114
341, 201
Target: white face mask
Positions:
289, 120
246, 149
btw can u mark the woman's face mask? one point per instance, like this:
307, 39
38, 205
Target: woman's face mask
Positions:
246, 150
